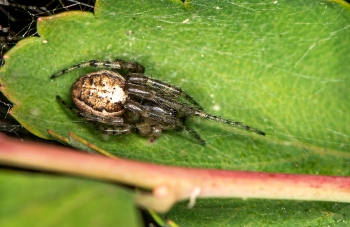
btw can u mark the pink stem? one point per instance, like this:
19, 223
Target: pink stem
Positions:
171, 184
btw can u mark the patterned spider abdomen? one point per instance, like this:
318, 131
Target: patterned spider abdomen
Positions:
100, 93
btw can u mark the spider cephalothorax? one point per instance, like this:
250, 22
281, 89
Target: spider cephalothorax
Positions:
121, 104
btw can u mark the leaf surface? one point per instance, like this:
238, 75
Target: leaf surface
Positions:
44, 200
278, 66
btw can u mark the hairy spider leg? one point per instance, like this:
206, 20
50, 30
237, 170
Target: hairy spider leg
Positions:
153, 113
187, 110
115, 121
126, 129
137, 78
116, 64
159, 115
169, 102
204, 115
195, 134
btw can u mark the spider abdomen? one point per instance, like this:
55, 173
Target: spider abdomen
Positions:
100, 93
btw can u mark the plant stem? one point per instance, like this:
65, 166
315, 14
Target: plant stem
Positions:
172, 184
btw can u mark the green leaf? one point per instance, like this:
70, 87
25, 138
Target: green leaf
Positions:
237, 212
280, 66
43, 200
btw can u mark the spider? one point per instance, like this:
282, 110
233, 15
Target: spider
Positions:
121, 104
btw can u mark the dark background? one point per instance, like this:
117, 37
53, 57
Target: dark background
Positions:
18, 21
18, 18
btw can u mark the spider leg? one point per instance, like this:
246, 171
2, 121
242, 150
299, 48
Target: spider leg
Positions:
235, 124
137, 78
155, 119
115, 121
116, 64
195, 134
144, 93
126, 129
187, 110
167, 119
153, 113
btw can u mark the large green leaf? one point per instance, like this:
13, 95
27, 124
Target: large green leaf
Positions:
280, 66
41, 200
